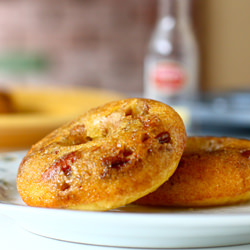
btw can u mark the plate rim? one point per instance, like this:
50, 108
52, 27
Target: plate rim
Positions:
160, 217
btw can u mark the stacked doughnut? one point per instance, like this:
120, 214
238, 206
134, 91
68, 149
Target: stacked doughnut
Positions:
128, 151
212, 171
107, 158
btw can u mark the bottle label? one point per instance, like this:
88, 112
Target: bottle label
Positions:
168, 77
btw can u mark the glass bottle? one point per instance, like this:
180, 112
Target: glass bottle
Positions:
171, 63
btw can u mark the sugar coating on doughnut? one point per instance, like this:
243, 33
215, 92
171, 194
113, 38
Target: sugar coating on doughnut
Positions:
106, 158
212, 171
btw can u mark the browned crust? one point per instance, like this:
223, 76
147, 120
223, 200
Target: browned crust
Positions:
110, 156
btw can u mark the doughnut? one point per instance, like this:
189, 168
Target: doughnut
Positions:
110, 156
212, 171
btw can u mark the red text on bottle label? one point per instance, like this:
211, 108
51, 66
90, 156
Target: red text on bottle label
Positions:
168, 77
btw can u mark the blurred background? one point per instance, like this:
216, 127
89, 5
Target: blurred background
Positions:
102, 44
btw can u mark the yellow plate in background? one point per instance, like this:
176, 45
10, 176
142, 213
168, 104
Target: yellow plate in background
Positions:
38, 111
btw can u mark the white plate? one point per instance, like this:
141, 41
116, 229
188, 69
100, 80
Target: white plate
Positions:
130, 226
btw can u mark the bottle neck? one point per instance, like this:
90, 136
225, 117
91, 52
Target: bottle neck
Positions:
177, 9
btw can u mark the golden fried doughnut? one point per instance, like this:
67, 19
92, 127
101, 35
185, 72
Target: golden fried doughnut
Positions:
212, 171
108, 157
